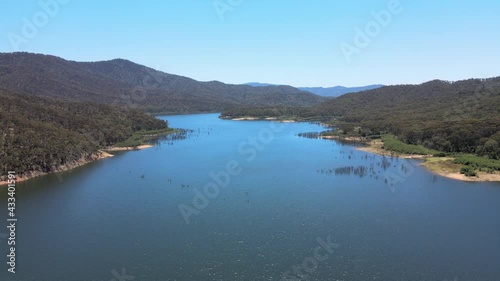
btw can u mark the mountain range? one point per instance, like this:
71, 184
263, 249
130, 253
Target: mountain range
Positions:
127, 84
338, 91
326, 92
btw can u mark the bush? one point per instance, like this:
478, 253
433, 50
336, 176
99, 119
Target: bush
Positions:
478, 162
468, 171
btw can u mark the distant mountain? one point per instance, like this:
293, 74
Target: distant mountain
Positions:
124, 83
338, 90
257, 84
325, 92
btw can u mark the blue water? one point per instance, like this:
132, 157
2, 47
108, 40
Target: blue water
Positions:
286, 207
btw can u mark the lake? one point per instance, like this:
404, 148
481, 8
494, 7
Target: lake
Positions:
252, 200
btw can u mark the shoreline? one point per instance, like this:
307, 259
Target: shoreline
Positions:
260, 119
101, 154
442, 166
348, 139
445, 167
127, 148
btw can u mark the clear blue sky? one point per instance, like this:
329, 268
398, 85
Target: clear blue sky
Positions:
295, 42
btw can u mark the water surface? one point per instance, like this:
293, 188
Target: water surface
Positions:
390, 218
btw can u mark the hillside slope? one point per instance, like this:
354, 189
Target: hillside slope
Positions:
124, 83
41, 135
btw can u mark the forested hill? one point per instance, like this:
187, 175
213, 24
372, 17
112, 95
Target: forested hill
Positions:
41, 135
124, 83
444, 100
462, 116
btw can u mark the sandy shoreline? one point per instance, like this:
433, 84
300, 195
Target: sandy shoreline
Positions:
244, 119
127, 148
481, 177
445, 167
98, 156
261, 119
442, 166
353, 139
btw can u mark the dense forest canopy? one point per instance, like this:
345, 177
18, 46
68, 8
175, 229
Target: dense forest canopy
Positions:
42, 134
124, 83
462, 116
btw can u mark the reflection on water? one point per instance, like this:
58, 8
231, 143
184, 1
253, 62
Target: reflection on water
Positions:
375, 167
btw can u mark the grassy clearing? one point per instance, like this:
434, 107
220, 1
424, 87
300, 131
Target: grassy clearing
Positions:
441, 165
139, 137
393, 144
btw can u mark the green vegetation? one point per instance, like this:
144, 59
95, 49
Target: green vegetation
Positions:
476, 162
332, 133
468, 171
140, 137
393, 144
441, 165
40, 135
451, 117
